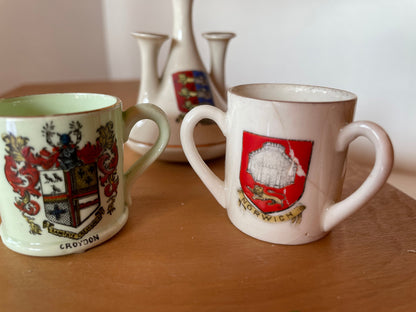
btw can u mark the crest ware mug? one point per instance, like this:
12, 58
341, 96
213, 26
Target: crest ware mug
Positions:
285, 159
62, 185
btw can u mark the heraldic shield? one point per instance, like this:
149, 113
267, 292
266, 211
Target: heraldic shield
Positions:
71, 179
192, 89
70, 196
273, 171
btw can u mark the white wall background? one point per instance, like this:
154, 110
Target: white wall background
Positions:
364, 46
51, 41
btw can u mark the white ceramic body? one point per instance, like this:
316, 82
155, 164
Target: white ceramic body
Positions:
322, 116
97, 134
183, 57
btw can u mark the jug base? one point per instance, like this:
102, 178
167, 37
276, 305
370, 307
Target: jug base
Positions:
64, 246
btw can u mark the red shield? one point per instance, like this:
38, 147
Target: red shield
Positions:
273, 171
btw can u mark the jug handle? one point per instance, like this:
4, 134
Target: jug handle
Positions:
214, 184
130, 117
384, 157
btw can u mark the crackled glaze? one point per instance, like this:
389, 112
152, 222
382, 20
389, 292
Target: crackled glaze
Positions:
285, 158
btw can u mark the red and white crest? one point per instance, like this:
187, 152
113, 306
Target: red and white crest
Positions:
68, 182
273, 171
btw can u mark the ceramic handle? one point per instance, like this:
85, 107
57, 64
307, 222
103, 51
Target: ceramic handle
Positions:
130, 117
214, 184
378, 176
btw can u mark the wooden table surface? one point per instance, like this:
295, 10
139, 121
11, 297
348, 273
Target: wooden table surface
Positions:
179, 252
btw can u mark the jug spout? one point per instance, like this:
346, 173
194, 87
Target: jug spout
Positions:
218, 43
149, 45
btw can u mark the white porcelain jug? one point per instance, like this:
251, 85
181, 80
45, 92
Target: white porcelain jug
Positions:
183, 85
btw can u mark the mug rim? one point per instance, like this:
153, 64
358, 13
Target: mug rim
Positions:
116, 101
241, 91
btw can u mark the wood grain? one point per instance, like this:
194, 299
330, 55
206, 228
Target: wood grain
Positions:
179, 252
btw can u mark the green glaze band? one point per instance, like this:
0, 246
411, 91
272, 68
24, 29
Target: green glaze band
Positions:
55, 104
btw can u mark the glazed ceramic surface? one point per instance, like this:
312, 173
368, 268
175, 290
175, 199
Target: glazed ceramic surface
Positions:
183, 85
285, 158
62, 185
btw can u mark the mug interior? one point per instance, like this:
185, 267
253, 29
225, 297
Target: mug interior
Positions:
292, 93
55, 104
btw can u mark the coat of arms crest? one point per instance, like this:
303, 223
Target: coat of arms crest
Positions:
64, 179
273, 174
70, 196
192, 89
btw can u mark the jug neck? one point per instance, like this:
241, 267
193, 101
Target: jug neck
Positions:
183, 51
182, 21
